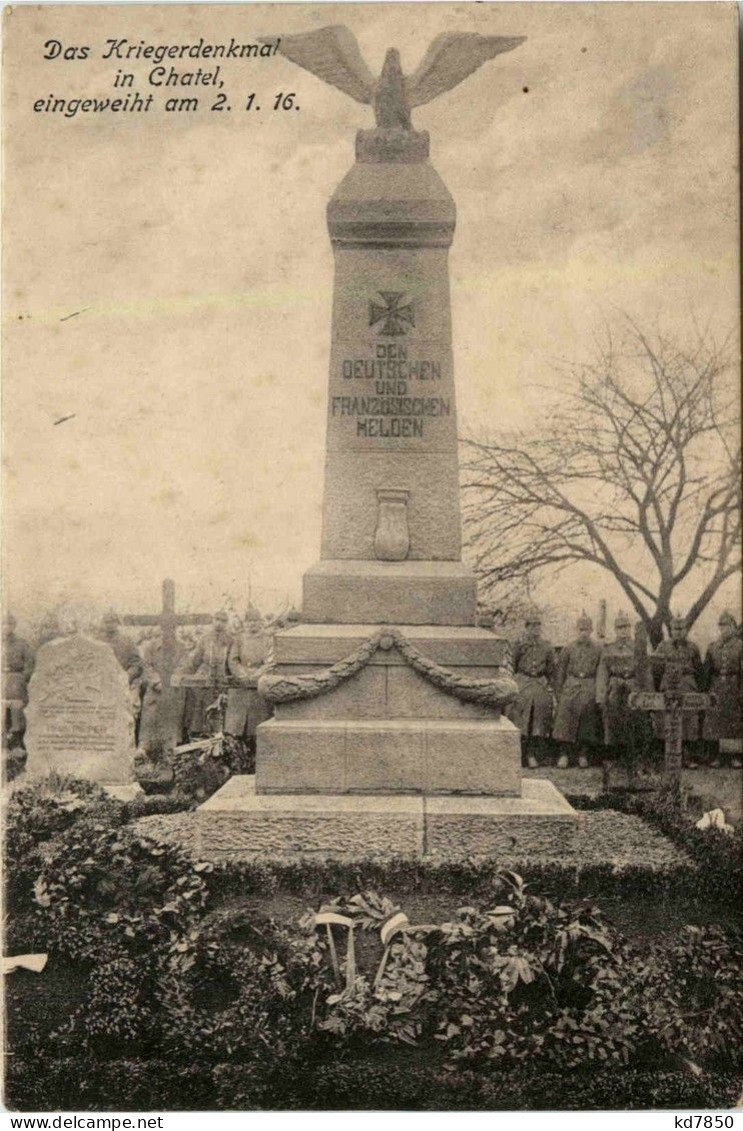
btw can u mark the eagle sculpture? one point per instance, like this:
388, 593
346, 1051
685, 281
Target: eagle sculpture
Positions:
332, 53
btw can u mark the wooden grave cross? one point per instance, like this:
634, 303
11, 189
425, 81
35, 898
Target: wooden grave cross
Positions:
674, 704
168, 621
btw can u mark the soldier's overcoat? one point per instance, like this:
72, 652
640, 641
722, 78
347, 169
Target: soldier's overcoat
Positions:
534, 666
210, 658
152, 725
18, 663
577, 718
246, 709
722, 678
616, 679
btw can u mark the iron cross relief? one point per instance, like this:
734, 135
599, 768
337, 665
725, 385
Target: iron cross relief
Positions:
397, 317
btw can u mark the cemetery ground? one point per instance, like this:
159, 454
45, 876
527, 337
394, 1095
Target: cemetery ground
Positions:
608, 979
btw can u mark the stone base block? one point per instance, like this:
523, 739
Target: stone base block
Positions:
541, 821
236, 819
237, 822
369, 592
463, 756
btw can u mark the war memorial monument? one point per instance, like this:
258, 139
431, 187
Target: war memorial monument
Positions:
389, 735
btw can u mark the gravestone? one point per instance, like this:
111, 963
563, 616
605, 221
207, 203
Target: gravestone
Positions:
389, 732
79, 714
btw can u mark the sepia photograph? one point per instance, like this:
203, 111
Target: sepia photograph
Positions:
371, 558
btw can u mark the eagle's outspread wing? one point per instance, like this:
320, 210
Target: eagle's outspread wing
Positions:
451, 58
332, 53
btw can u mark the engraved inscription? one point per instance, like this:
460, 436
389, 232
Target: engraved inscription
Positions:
391, 399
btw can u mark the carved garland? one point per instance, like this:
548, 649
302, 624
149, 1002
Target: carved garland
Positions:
495, 693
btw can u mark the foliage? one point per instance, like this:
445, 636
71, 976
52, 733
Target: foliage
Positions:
37, 813
387, 1004
81, 1083
532, 979
473, 879
409, 1086
693, 1000
145, 806
193, 772
106, 891
225, 994
117, 1012
44, 808
239, 754
526, 980
200, 769
40, 812
78, 1083
636, 470
239, 1006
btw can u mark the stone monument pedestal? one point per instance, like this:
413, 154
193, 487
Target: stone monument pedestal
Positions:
386, 763
388, 736
388, 728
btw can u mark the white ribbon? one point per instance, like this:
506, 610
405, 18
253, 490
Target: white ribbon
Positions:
33, 962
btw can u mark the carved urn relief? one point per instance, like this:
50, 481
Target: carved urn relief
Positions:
392, 537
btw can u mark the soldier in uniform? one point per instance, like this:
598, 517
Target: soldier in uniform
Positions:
577, 722
128, 656
246, 709
124, 651
210, 658
621, 670
534, 671
677, 664
722, 678
18, 663
152, 732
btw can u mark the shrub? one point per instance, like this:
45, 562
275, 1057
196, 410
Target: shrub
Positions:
147, 805
717, 854
532, 980
370, 1086
474, 879
35, 815
513, 981
200, 769
693, 996
78, 1083
118, 1011
104, 892
226, 994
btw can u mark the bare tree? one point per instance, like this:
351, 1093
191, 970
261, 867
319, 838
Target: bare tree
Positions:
638, 471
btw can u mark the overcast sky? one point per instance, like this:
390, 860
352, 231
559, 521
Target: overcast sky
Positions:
593, 171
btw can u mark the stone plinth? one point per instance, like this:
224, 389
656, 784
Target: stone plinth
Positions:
237, 821
388, 729
409, 592
480, 756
